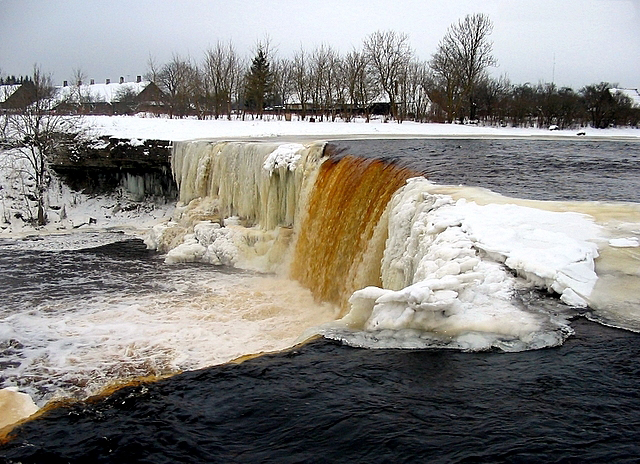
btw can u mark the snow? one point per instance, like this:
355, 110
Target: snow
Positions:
286, 156
7, 90
188, 129
446, 269
632, 94
629, 242
71, 212
107, 93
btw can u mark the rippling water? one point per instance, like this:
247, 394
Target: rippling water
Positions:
535, 169
324, 402
75, 321
328, 403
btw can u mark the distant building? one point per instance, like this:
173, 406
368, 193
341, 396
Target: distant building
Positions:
16, 96
97, 99
109, 98
633, 94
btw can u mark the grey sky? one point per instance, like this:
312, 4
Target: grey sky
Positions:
591, 40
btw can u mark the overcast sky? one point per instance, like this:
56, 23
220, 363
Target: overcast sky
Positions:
588, 40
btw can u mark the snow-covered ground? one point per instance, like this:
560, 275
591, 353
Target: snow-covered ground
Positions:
187, 129
71, 211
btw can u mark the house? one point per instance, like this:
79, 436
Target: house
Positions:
149, 100
17, 96
109, 98
632, 94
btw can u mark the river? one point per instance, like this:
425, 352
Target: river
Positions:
78, 317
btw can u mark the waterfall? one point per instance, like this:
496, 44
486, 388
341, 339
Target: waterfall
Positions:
413, 263
342, 239
263, 191
259, 182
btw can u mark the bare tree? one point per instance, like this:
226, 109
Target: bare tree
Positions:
153, 70
324, 76
605, 106
318, 71
461, 61
36, 134
282, 82
491, 97
181, 81
413, 90
301, 79
333, 84
447, 82
221, 71
81, 92
388, 55
341, 87
359, 83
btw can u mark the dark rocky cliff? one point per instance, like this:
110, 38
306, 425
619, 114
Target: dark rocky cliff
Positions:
142, 167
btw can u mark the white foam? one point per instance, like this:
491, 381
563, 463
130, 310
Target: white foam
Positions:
188, 320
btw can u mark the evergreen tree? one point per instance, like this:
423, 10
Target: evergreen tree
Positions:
259, 83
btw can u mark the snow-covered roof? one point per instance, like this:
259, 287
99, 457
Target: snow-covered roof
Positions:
107, 93
7, 90
633, 94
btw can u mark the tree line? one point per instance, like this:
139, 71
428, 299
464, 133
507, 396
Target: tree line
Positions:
383, 76
13, 80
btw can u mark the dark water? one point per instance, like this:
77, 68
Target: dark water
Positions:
61, 332
324, 402
536, 169
30, 277
329, 403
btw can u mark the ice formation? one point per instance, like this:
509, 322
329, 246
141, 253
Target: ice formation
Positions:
449, 268
15, 406
446, 268
238, 202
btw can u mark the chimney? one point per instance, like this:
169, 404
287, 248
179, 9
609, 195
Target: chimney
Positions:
108, 81
93, 81
121, 80
138, 79
65, 83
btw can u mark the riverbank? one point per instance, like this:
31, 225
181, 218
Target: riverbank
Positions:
187, 129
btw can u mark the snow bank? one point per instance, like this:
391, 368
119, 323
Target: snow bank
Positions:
189, 129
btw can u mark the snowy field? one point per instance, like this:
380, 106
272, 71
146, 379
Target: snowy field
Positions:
189, 129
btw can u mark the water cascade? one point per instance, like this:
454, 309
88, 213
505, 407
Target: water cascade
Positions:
341, 242
409, 263
254, 190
